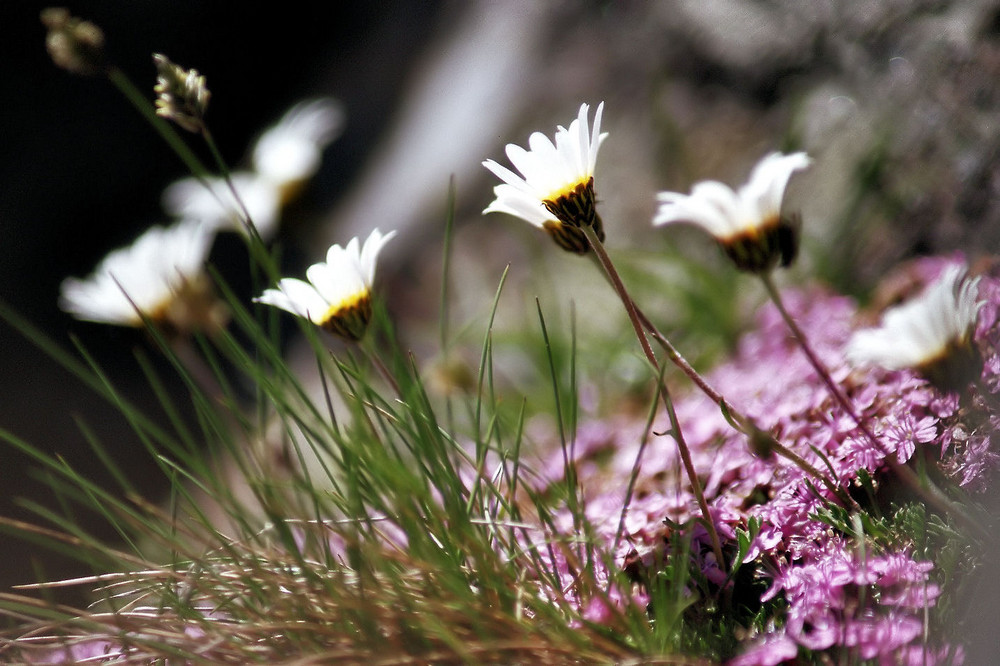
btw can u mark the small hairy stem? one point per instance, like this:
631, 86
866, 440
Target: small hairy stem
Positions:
821, 370
619, 287
373, 356
741, 422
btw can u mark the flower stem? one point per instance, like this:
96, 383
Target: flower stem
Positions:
630, 309
929, 493
817, 364
165, 130
759, 439
247, 219
372, 353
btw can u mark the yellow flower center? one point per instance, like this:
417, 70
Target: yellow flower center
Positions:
349, 318
575, 205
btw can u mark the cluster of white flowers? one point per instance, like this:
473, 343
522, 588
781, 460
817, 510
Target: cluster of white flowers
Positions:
161, 275
747, 223
554, 191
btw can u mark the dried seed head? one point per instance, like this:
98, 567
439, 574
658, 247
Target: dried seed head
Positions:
181, 95
75, 45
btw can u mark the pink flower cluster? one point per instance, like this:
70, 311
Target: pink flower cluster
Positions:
839, 596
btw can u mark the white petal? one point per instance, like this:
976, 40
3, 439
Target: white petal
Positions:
724, 212
141, 277
514, 202
369, 253
766, 188
923, 328
291, 151
337, 282
298, 297
548, 168
711, 205
216, 206
596, 139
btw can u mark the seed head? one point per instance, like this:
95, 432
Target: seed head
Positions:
181, 95
74, 44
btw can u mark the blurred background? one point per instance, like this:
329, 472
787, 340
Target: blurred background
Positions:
896, 101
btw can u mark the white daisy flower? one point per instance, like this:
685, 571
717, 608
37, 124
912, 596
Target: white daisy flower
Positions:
289, 153
160, 276
337, 296
216, 207
932, 333
746, 223
555, 190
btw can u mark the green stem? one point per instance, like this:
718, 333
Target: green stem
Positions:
260, 258
619, 287
249, 225
165, 130
634, 475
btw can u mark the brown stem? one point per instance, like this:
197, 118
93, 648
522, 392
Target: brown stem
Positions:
739, 421
619, 287
759, 438
373, 356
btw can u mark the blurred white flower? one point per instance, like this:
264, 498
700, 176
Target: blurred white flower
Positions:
289, 153
216, 207
932, 333
160, 275
747, 223
284, 157
337, 296
555, 190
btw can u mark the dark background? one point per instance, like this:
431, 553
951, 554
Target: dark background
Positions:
81, 173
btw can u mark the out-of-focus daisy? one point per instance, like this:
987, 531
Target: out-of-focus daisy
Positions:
337, 296
932, 333
160, 276
284, 158
747, 223
555, 190
216, 207
289, 153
